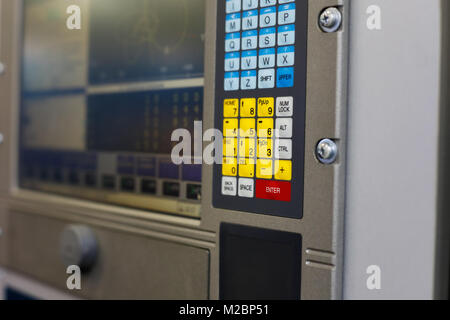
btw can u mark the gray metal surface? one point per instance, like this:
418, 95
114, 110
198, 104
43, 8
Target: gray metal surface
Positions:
3, 234
129, 266
393, 131
321, 226
442, 266
6, 87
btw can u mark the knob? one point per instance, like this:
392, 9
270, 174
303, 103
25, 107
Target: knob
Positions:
78, 246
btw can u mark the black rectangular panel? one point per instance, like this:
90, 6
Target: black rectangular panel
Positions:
141, 121
14, 294
259, 263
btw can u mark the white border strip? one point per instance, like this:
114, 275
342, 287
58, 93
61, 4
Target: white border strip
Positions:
148, 85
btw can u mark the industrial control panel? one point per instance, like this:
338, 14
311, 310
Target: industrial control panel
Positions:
98, 111
260, 105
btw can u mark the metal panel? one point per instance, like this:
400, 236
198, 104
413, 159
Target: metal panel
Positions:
393, 131
7, 78
129, 266
179, 239
3, 234
321, 226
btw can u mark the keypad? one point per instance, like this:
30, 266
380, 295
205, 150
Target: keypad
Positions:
259, 44
257, 147
261, 77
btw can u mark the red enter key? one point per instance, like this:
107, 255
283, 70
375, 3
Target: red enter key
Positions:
273, 190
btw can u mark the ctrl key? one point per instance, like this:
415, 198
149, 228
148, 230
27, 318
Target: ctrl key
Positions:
229, 186
273, 190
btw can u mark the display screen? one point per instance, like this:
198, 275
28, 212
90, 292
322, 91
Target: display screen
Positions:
145, 40
101, 100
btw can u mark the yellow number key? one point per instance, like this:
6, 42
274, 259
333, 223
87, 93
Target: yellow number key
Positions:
229, 167
283, 170
230, 127
265, 127
246, 168
265, 107
247, 128
230, 147
230, 108
248, 108
264, 169
247, 148
265, 148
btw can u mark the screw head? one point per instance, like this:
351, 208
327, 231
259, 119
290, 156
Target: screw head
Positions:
326, 151
330, 20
